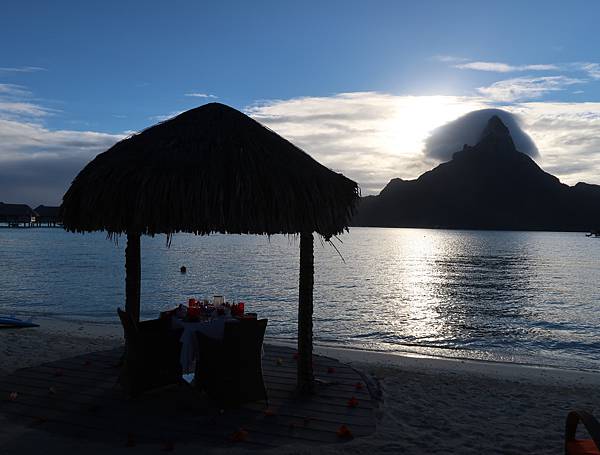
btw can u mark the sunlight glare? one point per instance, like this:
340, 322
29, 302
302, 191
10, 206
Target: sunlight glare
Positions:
416, 116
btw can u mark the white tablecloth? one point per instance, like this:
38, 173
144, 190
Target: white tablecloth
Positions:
189, 346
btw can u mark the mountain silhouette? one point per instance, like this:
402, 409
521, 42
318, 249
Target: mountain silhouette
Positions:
487, 186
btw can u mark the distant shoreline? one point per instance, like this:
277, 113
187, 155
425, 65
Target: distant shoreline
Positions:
29, 227
432, 228
469, 229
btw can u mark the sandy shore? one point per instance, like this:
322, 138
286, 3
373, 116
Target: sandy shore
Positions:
53, 340
429, 405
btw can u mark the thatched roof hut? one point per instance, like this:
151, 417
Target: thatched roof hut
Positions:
47, 214
15, 213
212, 169
47, 211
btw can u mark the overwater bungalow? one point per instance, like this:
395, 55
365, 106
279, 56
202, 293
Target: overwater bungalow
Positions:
16, 215
47, 215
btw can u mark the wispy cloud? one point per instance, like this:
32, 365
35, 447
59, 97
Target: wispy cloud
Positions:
20, 109
589, 69
13, 90
16, 102
449, 58
524, 88
163, 117
592, 69
500, 67
200, 95
22, 69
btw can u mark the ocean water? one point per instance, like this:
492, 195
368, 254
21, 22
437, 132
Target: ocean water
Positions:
527, 297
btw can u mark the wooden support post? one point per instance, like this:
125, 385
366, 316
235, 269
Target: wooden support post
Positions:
305, 314
133, 275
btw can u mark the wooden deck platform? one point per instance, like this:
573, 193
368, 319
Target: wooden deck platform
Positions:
78, 398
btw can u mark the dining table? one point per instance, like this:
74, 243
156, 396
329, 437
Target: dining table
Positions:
213, 327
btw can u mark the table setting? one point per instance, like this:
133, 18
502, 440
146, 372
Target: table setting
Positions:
206, 317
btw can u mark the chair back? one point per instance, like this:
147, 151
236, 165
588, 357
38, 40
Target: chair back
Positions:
231, 370
129, 326
152, 355
244, 340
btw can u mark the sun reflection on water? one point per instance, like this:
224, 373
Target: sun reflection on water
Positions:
491, 295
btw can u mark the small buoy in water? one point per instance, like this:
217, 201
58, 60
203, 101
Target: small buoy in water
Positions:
183, 269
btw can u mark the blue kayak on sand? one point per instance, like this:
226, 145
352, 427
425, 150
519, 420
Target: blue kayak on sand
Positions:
7, 322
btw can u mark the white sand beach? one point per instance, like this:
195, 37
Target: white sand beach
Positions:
54, 339
428, 405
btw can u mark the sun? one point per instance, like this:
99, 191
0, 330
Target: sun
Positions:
415, 117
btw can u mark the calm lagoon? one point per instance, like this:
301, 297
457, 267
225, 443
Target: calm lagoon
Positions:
529, 297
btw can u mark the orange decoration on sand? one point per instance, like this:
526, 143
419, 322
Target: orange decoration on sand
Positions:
344, 433
239, 436
352, 402
269, 413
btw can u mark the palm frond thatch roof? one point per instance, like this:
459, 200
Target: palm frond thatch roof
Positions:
210, 169
21, 210
47, 211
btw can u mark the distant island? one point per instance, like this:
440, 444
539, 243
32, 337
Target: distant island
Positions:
490, 185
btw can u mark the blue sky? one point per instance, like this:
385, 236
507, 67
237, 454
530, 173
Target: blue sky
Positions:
81, 74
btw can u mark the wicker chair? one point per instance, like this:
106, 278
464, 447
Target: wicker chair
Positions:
230, 370
575, 446
152, 357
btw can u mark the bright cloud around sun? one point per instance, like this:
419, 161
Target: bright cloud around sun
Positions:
370, 136
373, 137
